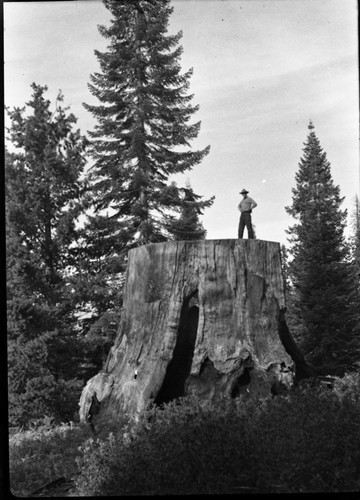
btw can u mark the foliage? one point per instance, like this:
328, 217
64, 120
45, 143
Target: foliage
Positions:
303, 446
40, 393
43, 201
43, 190
324, 295
182, 436
40, 456
187, 226
292, 307
143, 125
348, 386
98, 279
355, 238
307, 441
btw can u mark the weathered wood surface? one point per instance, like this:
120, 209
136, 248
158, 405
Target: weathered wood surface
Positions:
198, 317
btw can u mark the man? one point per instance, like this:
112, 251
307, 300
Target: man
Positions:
245, 206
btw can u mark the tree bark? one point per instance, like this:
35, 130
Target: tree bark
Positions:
199, 317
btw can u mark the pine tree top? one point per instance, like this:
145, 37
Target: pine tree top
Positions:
144, 130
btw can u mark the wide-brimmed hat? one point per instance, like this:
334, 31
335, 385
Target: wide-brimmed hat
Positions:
244, 191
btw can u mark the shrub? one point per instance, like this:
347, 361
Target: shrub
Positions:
45, 396
306, 441
348, 386
39, 456
185, 447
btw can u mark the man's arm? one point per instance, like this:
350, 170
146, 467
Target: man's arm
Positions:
253, 204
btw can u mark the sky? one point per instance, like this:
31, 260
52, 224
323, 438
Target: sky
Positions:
262, 70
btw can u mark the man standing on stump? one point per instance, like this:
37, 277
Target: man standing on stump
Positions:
245, 206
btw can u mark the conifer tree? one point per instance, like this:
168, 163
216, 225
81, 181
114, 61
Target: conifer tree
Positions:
292, 312
42, 178
355, 239
355, 256
320, 271
143, 133
187, 226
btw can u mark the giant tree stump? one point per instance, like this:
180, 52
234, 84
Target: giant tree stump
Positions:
199, 317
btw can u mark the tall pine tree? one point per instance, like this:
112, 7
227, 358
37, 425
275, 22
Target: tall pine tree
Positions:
43, 191
320, 271
144, 131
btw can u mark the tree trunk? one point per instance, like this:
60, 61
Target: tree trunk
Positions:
199, 317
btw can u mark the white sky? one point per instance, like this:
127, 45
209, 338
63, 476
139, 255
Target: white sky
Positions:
262, 70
